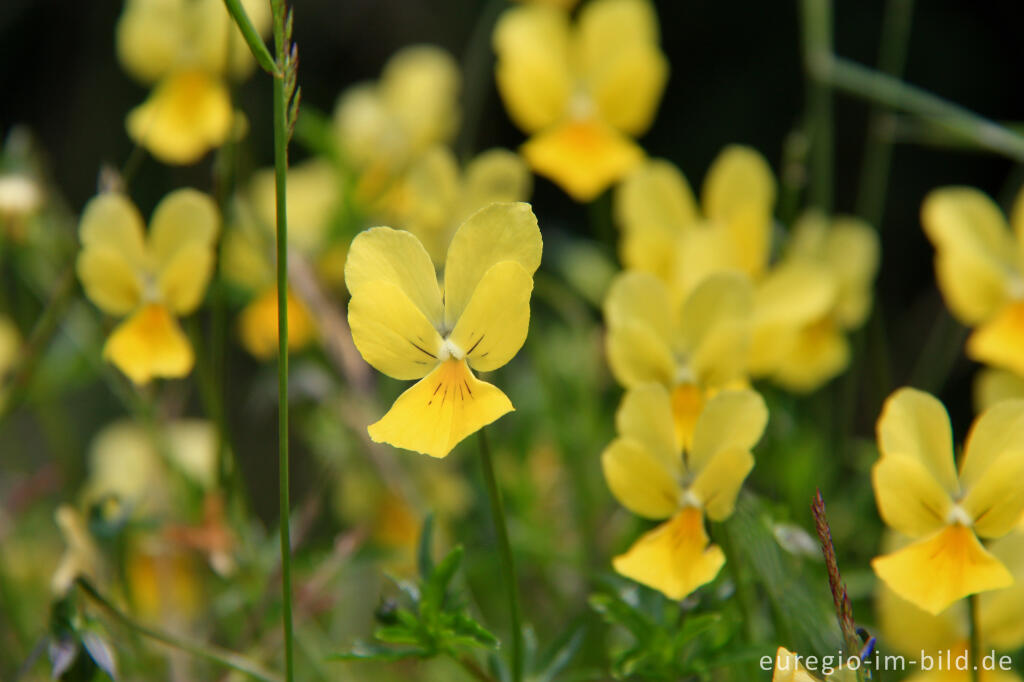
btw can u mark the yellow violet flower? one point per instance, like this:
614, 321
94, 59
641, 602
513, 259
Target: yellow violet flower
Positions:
907, 629
655, 475
186, 48
151, 279
581, 92
921, 494
693, 350
433, 197
848, 249
979, 265
409, 327
789, 669
382, 126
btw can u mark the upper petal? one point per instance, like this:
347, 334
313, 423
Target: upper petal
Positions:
995, 432
440, 410
730, 420
642, 298
496, 175
494, 325
420, 87
150, 35
182, 232
495, 233
909, 498
113, 253
532, 71
915, 424
395, 256
715, 328
738, 180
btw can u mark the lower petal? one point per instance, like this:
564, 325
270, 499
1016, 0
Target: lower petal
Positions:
939, 570
998, 342
150, 344
440, 410
582, 157
674, 558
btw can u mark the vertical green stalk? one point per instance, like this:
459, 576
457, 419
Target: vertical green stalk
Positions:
281, 134
975, 645
817, 38
507, 563
892, 57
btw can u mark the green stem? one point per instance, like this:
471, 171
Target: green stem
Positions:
281, 134
208, 652
892, 57
253, 39
817, 37
975, 644
507, 562
891, 92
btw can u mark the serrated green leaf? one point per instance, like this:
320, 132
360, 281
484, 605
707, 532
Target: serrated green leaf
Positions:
435, 588
465, 626
397, 634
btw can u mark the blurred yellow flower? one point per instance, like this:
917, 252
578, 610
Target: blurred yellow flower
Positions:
382, 126
848, 249
693, 350
921, 495
81, 556
433, 197
405, 327
581, 92
186, 48
907, 629
151, 279
979, 265
995, 385
788, 668
163, 582
655, 475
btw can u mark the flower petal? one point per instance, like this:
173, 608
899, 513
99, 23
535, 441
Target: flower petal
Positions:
583, 157
637, 354
440, 410
423, 201
187, 114
113, 253
909, 497
419, 86
992, 386
257, 325
720, 480
496, 175
639, 479
915, 424
642, 298
493, 327
998, 341
391, 333
674, 558
496, 233
395, 256
149, 37
852, 252
739, 179
999, 611
532, 72
645, 416
623, 68
181, 237
994, 500
715, 328
730, 420
150, 344
941, 569
818, 353
995, 432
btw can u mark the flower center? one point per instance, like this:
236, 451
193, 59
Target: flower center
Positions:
450, 350
581, 105
958, 516
687, 498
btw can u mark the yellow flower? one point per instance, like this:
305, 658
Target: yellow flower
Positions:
186, 48
382, 126
257, 324
789, 669
979, 265
995, 385
848, 249
693, 350
655, 475
907, 629
151, 279
163, 582
581, 92
433, 197
405, 327
921, 495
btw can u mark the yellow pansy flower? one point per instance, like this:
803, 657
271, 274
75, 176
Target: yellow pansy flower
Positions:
151, 279
582, 91
433, 197
921, 494
655, 475
979, 265
409, 327
848, 249
907, 629
693, 350
186, 48
789, 669
381, 126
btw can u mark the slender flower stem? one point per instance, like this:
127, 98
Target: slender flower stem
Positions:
975, 644
507, 562
281, 134
209, 652
253, 39
817, 37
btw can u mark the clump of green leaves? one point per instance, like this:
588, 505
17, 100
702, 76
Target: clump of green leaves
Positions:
73, 633
433, 621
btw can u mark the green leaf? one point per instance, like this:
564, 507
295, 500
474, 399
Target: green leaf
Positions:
465, 626
397, 634
100, 652
435, 588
